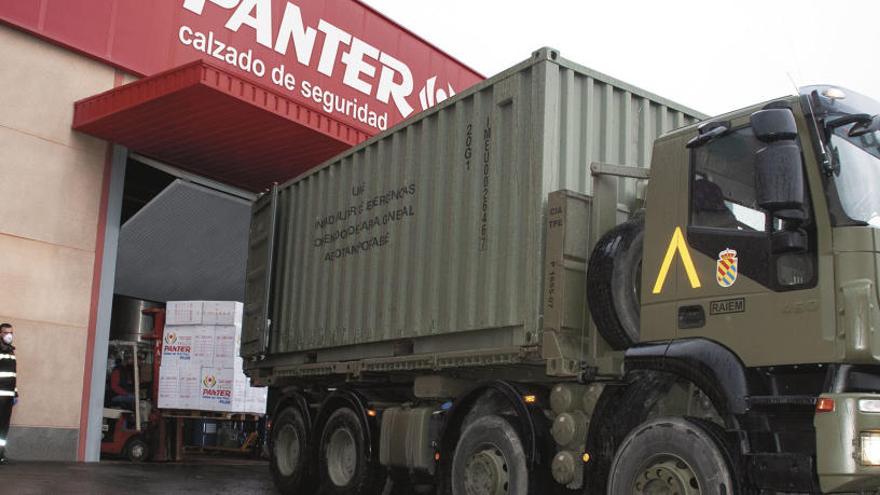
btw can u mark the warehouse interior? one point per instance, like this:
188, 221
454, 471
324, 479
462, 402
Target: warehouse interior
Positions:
181, 237
178, 206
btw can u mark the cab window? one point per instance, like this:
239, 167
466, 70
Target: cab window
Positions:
723, 186
724, 214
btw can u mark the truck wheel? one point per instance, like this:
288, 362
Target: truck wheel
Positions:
489, 460
614, 283
137, 450
345, 467
672, 455
290, 448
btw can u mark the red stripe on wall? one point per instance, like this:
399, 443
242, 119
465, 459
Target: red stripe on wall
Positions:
96, 292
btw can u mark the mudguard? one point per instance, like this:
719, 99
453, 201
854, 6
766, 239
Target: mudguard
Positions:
292, 396
711, 366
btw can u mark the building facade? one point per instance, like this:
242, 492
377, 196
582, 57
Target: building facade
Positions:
243, 92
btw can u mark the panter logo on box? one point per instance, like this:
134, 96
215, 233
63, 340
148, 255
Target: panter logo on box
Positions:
171, 348
212, 389
210, 381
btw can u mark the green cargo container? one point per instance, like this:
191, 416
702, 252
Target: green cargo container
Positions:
427, 246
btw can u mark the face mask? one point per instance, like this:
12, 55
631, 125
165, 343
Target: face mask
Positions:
7, 338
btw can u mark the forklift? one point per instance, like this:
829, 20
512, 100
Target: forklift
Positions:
125, 432
140, 432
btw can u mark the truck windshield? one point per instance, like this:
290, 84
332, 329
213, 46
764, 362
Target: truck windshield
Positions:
858, 179
855, 160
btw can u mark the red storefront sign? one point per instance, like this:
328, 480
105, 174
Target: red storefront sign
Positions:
338, 57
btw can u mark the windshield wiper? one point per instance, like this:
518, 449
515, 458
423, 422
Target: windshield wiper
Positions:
853, 118
865, 127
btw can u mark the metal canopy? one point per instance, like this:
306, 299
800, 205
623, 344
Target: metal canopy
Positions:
212, 122
189, 242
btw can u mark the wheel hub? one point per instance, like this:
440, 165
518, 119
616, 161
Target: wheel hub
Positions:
486, 473
667, 476
341, 457
137, 451
287, 450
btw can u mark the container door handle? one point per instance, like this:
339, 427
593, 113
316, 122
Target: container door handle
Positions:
691, 317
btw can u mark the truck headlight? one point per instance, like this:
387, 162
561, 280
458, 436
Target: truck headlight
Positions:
870, 448
869, 405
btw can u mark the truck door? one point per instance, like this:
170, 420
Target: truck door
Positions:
258, 278
751, 295
725, 222
728, 282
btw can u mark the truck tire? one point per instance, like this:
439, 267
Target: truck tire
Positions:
672, 455
290, 451
489, 460
344, 463
614, 281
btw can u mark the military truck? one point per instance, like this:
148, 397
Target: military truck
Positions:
501, 296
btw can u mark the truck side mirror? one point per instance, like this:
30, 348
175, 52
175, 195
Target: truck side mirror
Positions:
779, 175
779, 178
788, 241
775, 124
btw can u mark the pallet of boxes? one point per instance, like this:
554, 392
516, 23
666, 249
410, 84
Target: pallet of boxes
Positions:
201, 378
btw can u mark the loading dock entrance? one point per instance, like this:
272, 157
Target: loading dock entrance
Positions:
181, 237
177, 226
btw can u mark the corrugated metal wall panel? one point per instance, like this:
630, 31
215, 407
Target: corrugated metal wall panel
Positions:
187, 242
453, 204
601, 121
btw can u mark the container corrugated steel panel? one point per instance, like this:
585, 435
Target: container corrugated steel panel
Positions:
435, 228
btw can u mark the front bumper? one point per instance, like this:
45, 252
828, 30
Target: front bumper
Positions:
839, 456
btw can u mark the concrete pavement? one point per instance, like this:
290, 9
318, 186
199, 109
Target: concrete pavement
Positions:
119, 477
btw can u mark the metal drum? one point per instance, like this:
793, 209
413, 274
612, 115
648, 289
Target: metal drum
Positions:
127, 322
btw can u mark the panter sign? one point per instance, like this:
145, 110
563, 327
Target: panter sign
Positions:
338, 57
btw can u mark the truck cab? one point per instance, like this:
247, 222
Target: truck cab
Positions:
759, 282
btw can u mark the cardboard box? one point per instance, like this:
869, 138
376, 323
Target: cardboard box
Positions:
188, 345
177, 347
216, 389
227, 340
203, 345
210, 389
179, 387
201, 368
222, 389
189, 391
255, 399
169, 396
184, 312
222, 313
204, 313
